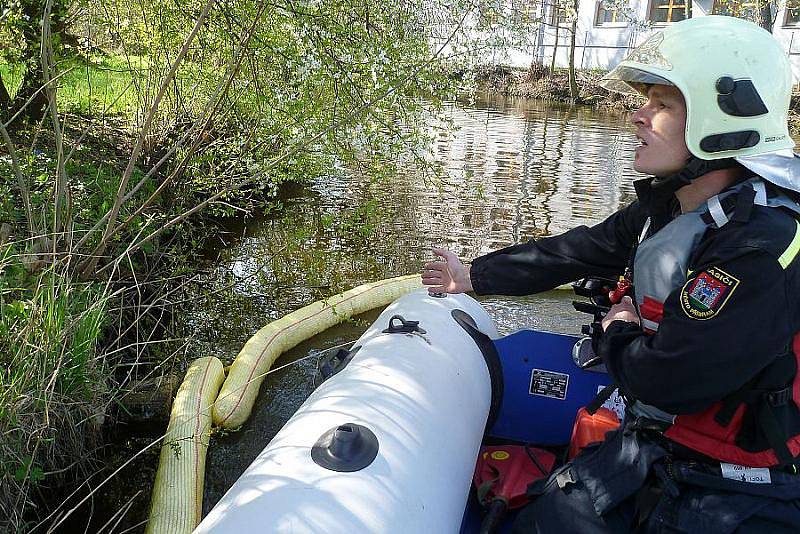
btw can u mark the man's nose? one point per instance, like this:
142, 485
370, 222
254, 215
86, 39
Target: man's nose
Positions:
640, 116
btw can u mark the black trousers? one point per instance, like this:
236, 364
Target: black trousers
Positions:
562, 512
624, 486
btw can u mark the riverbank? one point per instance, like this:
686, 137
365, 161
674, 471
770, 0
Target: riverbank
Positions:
115, 176
540, 83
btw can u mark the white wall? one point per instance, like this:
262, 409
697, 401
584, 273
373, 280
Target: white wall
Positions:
789, 36
595, 46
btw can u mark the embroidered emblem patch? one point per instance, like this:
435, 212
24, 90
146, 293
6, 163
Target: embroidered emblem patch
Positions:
703, 297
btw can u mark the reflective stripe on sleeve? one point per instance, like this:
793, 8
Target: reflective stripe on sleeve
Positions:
791, 252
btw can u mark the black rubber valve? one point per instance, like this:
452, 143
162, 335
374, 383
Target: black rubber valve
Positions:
345, 448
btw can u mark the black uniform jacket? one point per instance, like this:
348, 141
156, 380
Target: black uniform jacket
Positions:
689, 363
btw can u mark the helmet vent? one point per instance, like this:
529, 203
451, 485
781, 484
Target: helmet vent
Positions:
739, 98
730, 141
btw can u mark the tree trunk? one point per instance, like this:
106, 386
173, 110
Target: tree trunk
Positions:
32, 77
765, 15
5, 100
555, 45
573, 83
31, 82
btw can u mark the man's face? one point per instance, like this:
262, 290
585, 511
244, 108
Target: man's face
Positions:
660, 125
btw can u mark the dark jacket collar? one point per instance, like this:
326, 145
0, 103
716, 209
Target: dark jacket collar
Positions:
660, 205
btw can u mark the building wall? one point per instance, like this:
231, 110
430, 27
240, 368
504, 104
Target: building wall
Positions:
602, 47
789, 36
596, 47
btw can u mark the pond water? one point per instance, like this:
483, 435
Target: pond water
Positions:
516, 169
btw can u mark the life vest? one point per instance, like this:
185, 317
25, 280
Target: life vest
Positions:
660, 267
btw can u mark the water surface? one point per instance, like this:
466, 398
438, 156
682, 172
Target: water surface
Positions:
515, 169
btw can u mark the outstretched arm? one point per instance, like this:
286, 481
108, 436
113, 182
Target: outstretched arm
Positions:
542, 264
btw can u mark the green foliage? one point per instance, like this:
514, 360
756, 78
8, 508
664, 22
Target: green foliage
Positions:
305, 68
21, 24
95, 180
48, 330
11, 73
354, 224
319, 89
21, 30
28, 471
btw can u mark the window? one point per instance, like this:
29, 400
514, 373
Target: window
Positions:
558, 14
666, 11
743, 9
792, 13
525, 11
610, 16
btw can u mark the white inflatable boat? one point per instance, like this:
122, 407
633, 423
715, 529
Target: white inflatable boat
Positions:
388, 442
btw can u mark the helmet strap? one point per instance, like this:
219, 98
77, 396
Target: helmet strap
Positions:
694, 168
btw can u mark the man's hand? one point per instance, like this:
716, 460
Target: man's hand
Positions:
448, 276
624, 311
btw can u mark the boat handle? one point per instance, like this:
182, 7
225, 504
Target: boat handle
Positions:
398, 325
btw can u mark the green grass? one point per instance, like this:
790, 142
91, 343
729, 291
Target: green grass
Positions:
54, 326
113, 84
50, 379
12, 76
101, 83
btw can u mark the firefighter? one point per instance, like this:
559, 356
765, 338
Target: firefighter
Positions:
706, 350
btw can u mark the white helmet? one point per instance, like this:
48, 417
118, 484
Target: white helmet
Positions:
736, 80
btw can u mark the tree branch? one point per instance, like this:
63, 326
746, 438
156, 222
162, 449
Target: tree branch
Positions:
63, 201
387, 90
22, 184
137, 150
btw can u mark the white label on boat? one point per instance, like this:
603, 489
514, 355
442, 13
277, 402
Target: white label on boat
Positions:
615, 403
549, 384
754, 475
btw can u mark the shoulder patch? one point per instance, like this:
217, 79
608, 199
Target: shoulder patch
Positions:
704, 296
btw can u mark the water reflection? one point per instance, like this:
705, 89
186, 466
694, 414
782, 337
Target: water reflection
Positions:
515, 170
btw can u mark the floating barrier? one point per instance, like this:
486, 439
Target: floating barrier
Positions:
177, 503
239, 392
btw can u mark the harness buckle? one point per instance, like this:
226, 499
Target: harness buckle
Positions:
780, 397
641, 423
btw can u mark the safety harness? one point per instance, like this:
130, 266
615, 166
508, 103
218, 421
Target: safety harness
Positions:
717, 432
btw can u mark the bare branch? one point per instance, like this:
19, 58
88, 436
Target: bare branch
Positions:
63, 208
123, 184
